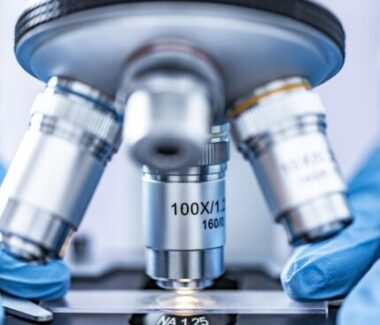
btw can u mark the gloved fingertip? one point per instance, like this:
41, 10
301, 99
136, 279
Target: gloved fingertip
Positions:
58, 284
304, 282
33, 281
56, 292
62, 276
60, 270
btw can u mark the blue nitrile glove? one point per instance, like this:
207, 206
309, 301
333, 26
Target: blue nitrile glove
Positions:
349, 262
31, 281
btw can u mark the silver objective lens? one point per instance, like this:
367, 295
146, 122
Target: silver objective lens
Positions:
74, 131
184, 219
281, 129
174, 95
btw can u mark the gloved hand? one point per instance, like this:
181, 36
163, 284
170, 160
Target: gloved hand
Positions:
32, 281
348, 263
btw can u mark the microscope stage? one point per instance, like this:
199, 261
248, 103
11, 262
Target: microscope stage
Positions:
251, 41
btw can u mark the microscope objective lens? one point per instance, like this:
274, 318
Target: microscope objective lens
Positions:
170, 83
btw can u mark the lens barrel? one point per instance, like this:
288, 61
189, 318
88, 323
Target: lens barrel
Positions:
281, 130
173, 94
184, 219
74, 131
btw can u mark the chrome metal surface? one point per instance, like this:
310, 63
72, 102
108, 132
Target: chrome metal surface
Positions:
184, 219
171, 57
318, 219
283, 134
24, 249
172, 99
271, 112
31, 233
56, 169
204, 302
184, 286
72, 87
176, 213
250, 46
185, 269
81, 118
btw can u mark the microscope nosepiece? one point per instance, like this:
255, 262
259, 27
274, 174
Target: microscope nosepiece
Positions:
184, 219
73, 133
281, 130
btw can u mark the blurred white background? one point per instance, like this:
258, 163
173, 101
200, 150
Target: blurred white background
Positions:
114, 221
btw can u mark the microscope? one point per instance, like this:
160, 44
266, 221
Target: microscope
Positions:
174, 79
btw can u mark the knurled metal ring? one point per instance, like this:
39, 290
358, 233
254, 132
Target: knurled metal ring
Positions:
45, 11
268, 114
81, 115
217, 150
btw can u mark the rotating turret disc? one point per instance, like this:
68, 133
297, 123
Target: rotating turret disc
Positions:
252, 41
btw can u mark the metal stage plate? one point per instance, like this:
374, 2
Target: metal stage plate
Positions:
206, 302
251, 46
